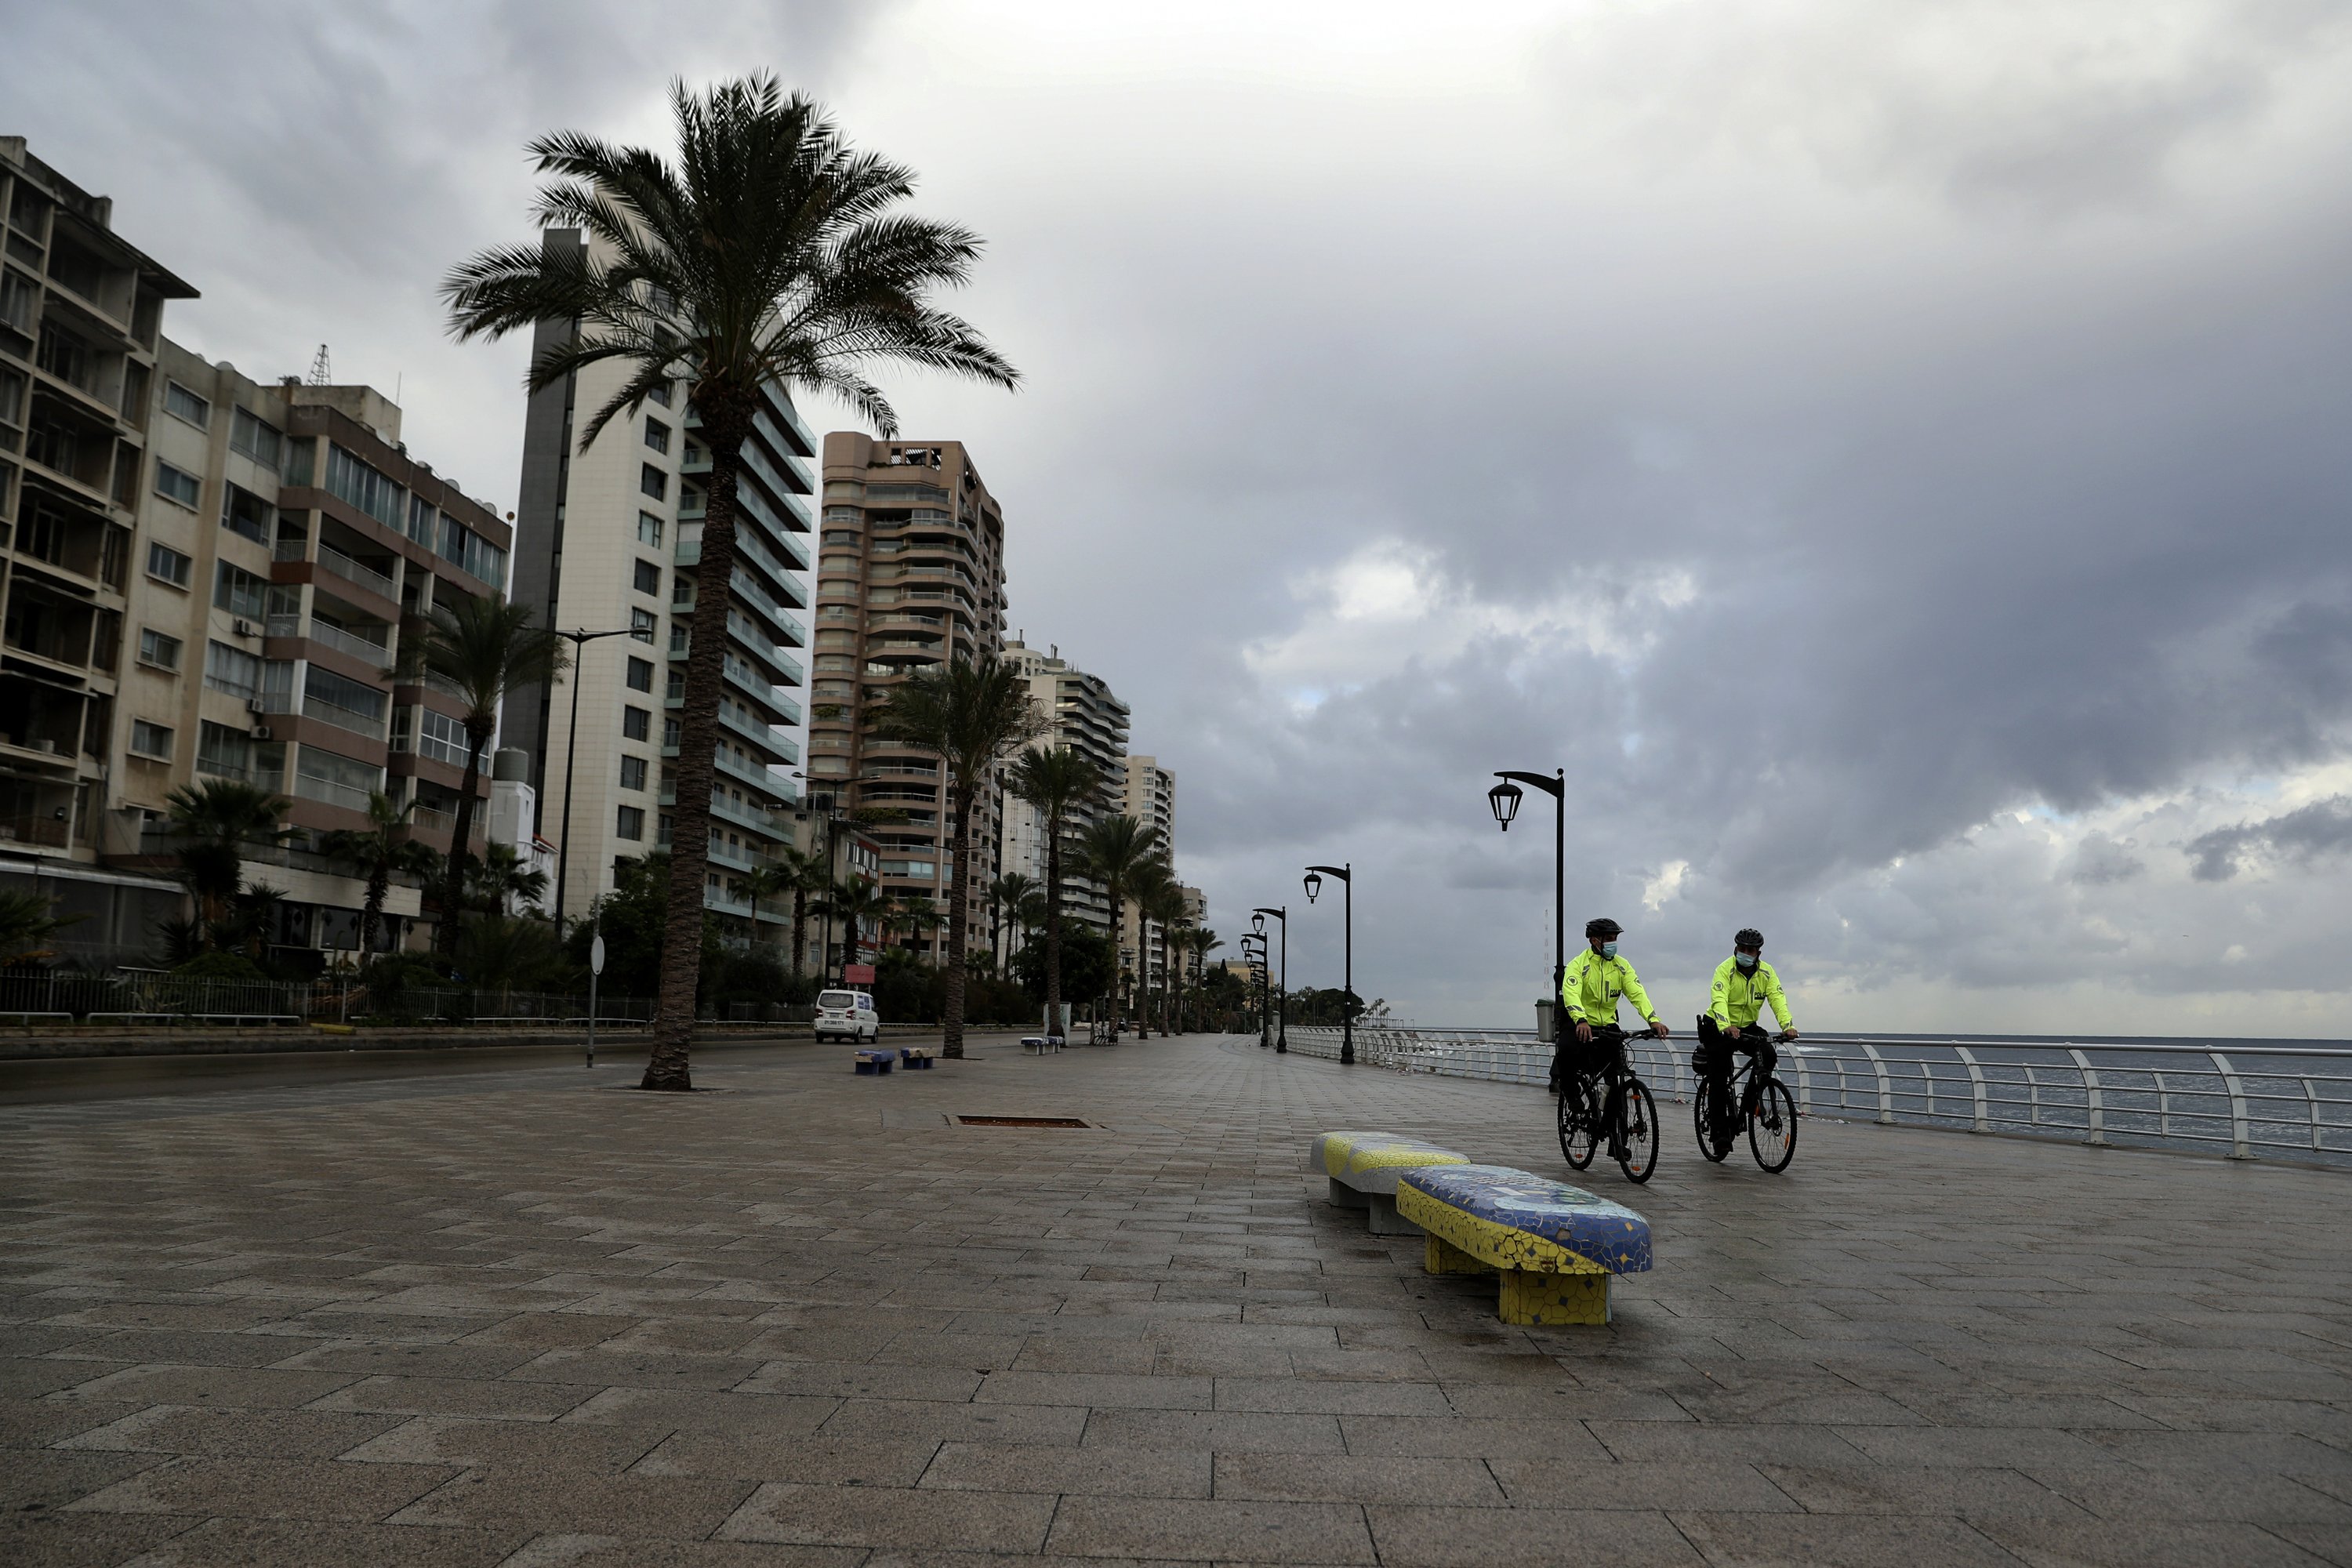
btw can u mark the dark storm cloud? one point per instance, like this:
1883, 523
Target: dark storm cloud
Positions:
2322, 827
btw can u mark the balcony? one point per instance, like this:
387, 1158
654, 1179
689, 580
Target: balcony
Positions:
342, 718
327, 792
355, 572
331, 637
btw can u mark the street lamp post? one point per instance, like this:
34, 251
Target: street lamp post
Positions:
579, 640
1281, 1019
1315, 875
1255, 959
1505, 800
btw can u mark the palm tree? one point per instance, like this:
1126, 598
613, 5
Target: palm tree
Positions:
1163, 904
482, 648
765, 882
1200, 941
1113, 852
214, 818
913, 917
971, 714
855, 903
377, 855
1150, 890
1005, 897
26, 925
803, 873
1055, 782
768, 253
498, 881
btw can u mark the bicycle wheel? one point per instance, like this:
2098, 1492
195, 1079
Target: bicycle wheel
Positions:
1638, 1126
1579, 1123
1772, 1126
1703, 1114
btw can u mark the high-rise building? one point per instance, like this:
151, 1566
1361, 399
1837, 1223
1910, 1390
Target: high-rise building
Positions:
608, 540
1084, 716
1148, 794
911, 572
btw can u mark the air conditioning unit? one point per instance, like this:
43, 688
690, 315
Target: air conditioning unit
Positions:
244, 628
261, 731
253, 705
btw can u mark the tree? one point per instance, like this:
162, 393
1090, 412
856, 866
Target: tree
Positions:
855, 903
1005, 896
498, 881
482, 648
377, 853
1162, 904
214, 819
971, 714
803, 873
1200, 941
506, 952
770, 253
765, 882
1148, 889
1055, 782
26, 925
913, 917
1112, 851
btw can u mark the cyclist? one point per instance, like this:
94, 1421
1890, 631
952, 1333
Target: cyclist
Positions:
1589, 990
1744, 987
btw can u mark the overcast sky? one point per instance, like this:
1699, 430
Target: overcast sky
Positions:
1894, 456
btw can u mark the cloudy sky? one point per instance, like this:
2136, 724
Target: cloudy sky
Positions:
1895, 458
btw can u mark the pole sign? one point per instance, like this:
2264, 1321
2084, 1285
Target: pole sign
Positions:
596, 954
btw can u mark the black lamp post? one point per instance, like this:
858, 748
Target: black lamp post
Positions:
579, 641
1315, 875
1505, 799
1281, 1019
1255, 959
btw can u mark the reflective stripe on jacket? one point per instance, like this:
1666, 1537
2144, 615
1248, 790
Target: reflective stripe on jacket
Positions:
1740, 995
1593, 984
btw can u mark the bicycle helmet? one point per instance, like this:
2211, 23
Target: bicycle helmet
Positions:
1603, 928
1748, 937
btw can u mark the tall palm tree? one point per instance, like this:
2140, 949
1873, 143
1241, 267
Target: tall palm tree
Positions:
483, 648
379, 853
1113, 852
1200, 941
764, 882
213, 818
1005, 896
855, 903
1055, 782
1164, 906
770, 253
971, 714
500, 880
803, 873
1149, 891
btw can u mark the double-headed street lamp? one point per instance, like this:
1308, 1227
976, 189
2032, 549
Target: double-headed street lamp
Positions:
1315, 875
1281, 1019
579, 640
1505, 799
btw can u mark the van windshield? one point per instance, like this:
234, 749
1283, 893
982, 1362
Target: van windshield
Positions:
837, 1001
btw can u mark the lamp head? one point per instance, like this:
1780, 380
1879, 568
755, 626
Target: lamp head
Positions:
1257, 924
1314, 885
1505, 799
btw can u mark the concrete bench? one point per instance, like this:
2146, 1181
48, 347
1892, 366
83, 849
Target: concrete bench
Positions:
917, 1056
874, 1063
1556, 1247
1363, 1168
1038, 1044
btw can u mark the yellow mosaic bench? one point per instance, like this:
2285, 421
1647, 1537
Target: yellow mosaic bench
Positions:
1364, 1166
1556, 1247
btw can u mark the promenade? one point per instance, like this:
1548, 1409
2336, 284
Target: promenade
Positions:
530, 1317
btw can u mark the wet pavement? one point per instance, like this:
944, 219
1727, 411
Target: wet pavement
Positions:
528, 1316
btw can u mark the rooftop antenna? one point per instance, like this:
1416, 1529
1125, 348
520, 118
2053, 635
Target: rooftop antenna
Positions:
319, 374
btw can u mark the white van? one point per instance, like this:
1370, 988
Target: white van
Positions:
847, 1015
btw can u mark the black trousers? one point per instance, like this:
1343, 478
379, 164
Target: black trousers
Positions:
1715, 1048
1571, 1054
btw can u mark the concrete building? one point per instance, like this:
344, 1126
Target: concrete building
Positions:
608, 540
1148, 794
1084, 716
911, 572
208, 576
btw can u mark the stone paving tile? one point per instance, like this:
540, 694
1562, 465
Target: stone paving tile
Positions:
1113, 1472
283, 1544
1480, 1538
1721, 1487
771, 1457
596, 1502
1842, 1541
258, 1388
879, 1516
1356, 1478
234, 1434
268, 1489
442, 1440
578, 1550
82, 1540
2146, 1543
501, 1400
1212, 1531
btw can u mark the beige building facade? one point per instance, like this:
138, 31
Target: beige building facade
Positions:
1086, 717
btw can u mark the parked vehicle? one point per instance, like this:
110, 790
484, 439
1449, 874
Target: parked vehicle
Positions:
847, 1015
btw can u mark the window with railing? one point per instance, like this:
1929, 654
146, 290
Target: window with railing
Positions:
334, 780
357, 483
342, 702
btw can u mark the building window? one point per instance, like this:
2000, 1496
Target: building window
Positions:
670, 734
224, 752
648, 578
232, 670
166, 565
441, 738
633, 773
650, 529
179, 402
151, 740
643, 624
657, 435
243, 512
363, 486
240, 593
175, 485
420, 521
632, 824
636, 723
265, 443
641, 674
157, 650
653, 481
659, 392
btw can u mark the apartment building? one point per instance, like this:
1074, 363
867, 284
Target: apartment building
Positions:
1148, 794
911, 572
610, 539
1086, 717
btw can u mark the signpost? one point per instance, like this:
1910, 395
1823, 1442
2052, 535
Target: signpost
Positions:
595, 968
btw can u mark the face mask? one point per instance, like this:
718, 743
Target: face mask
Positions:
1747, 960
1608, 949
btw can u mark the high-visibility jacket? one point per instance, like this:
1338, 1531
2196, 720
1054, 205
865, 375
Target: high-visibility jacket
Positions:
1591, 988
1740, 994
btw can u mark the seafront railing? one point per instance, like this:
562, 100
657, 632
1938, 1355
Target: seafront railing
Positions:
2245, 1100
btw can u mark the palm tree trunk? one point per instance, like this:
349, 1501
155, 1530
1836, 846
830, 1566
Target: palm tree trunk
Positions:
1167, 983
799, 928
1053, 924
1142, 974
453, 890
959, 856
379, 883
724, 426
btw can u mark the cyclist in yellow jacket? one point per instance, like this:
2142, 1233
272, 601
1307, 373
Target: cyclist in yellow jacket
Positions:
1744, 987
1589, 990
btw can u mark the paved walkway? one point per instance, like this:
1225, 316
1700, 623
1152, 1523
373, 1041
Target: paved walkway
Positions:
515, 1319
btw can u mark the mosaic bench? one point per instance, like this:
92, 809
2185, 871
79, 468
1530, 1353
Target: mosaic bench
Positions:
1363, 1169
1556, 1247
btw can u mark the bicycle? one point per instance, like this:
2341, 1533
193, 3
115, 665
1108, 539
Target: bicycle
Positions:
1612, 1099
1765, 1106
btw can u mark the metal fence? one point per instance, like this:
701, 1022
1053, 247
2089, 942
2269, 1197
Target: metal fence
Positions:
132, 997
2243, 1098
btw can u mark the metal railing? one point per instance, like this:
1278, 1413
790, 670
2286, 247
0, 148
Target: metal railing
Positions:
352, 571
133, 998
2242, 1098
